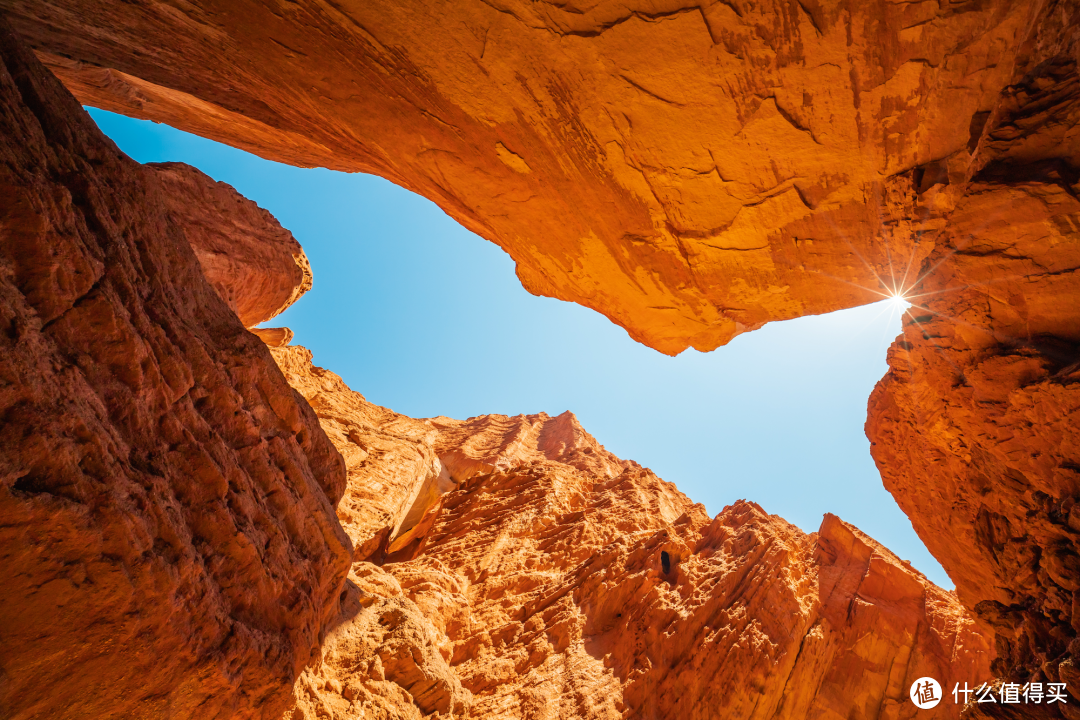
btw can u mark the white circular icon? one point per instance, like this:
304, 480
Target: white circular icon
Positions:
925, 693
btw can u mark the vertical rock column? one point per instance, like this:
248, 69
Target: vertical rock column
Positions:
975, 426
168, 546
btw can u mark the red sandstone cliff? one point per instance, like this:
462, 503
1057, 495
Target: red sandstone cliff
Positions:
168, 545
975, 427
551, 579
691, 170
256, 266
694, 171
782, 152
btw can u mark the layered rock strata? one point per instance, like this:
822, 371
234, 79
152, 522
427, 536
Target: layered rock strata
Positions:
692, 171
555, 580
169, 546
975, 428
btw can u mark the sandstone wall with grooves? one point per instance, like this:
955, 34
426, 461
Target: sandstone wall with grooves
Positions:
974, 428
540, 590
691, 170
168, 543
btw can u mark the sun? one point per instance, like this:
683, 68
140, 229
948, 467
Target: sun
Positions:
899, 302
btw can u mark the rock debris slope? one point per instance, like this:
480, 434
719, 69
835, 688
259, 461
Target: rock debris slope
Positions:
168, 546
692, 171
553, 580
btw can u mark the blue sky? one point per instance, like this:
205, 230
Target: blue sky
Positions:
424, 317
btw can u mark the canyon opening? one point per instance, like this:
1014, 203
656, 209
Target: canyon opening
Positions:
202, 518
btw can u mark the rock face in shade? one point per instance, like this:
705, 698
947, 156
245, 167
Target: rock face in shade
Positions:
689, 170
168, 544
975, 427
555, 580
256, 265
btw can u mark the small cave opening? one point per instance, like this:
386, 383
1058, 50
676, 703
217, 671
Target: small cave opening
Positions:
665, 562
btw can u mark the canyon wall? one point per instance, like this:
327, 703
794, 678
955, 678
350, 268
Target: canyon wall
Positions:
550, 579
257, 267
169, 546
695, 171
690, 170
975, 426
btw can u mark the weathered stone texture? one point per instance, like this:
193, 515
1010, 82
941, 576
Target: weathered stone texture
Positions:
168, 545
394, 473
692, 171
975, 427
257, 266
555, 580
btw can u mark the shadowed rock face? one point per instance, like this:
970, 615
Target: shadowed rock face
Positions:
168, 545
256, 265
555, 580
975, 428
692, 171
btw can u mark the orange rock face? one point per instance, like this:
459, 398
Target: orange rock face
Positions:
690, 171
974, 428
168, 546
555, 580
394, 474
256, 265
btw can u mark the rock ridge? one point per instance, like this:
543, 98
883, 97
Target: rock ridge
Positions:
553, 579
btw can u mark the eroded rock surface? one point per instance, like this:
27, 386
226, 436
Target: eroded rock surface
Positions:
494, 443
274, 336
555, 580
975, 427
689, 170
394, 473
168, 545
256, 265
692, 172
